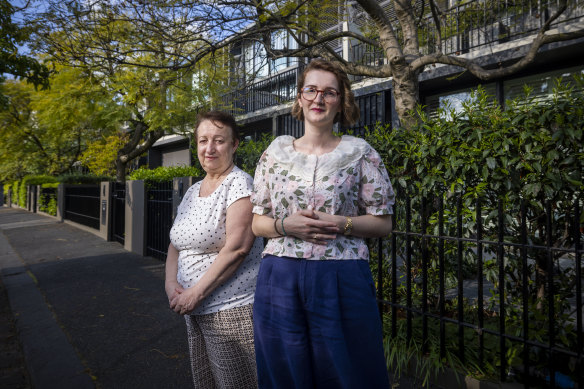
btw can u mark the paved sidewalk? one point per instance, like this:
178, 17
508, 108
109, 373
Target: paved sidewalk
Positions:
88, 314
85, 312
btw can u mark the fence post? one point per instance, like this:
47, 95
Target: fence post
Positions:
9, 198
38, 189
135, 229
28, 198
105, 196
33, 198
61, 202
180, 185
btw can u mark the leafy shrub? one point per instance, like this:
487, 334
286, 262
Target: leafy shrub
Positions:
48, 198
40, 179
15, 187
22, 192
527, 161
249, 152
79, 178
165, 173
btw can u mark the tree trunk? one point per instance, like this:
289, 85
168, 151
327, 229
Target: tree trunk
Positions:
120, 170
405, 94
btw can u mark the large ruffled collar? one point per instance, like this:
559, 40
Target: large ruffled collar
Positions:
345, 154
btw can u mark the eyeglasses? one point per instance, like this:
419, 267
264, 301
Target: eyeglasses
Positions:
329, 95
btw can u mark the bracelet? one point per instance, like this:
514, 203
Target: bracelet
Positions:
348, 226
283, 230
276, 227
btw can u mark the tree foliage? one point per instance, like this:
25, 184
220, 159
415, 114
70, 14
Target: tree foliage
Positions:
45, 131
154, 93
408, 35
11, 62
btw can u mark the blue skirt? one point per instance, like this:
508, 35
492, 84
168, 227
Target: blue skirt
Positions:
316, 325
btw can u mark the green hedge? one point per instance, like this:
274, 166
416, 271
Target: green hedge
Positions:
165, 173
528, 154
249, 152
79, 178
246, 158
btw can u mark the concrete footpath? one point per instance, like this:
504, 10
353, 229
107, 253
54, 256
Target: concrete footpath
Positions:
79, 312
87, 313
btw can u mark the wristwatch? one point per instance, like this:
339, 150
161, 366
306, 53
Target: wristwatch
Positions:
348, 226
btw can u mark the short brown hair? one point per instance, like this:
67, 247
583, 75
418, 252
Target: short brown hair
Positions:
224, 118
349, 109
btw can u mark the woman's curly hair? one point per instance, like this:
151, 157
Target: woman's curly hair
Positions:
349, 110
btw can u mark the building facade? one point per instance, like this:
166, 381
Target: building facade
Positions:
263, 89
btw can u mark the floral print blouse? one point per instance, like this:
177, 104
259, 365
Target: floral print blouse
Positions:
351, 180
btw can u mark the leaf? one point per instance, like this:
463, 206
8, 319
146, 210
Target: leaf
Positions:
491, 163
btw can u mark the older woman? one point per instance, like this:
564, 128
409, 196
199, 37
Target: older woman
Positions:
317, 198
213, 260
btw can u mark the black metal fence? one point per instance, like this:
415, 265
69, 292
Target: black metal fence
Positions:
497, 285
82, 204
158, 218
118, 212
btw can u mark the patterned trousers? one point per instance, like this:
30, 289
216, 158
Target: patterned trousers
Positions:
222, 349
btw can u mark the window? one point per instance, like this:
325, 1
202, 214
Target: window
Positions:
541, 85
452, 102
255, 60
282, 40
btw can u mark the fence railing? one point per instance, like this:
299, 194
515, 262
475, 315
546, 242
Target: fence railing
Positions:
267, 92
495, 285
158, 218
478, 23
82, 204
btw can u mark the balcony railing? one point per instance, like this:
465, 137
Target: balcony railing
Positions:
464, 27
479, 23
268, 92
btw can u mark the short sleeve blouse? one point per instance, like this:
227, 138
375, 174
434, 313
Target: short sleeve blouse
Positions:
351, 180
199, 233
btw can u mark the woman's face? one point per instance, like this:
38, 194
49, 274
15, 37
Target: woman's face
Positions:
215, 146
318, 111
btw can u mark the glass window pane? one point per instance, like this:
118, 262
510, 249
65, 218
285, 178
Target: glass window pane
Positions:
541, 85
453, 101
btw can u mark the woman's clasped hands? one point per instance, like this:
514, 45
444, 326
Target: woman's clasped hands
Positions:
181, 301
312, 226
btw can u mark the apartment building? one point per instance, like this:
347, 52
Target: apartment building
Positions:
495, 33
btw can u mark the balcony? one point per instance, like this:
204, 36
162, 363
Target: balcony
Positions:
470, 26
478, 23
268, 92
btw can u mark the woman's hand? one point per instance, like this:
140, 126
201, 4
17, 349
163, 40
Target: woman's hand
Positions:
172, 288
308, 226
184, 301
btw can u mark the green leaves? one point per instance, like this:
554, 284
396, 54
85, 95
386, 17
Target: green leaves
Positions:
162, 173
526, 150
